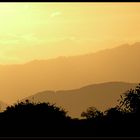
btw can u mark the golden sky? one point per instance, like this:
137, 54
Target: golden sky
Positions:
31, 31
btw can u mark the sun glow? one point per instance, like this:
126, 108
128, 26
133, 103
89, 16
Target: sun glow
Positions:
31, 31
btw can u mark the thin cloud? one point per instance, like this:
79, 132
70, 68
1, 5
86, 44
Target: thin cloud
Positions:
54, 14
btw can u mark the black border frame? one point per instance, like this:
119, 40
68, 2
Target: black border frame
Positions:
67, 1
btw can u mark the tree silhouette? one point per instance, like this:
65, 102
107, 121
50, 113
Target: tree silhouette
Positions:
30, 119
113, 112
92, 113
130, 101
45, 119
30, 108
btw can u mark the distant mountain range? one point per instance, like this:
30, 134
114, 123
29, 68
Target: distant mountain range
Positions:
102, 96
116, 64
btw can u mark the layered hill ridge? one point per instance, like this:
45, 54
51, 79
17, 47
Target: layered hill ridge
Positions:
116, 64
102, 96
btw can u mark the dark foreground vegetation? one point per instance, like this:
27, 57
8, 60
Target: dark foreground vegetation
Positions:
26, 119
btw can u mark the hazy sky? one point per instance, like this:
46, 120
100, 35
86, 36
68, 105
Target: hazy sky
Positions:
31, 31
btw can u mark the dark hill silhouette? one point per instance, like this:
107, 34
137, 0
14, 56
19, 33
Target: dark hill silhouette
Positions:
102, 96
116, 64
